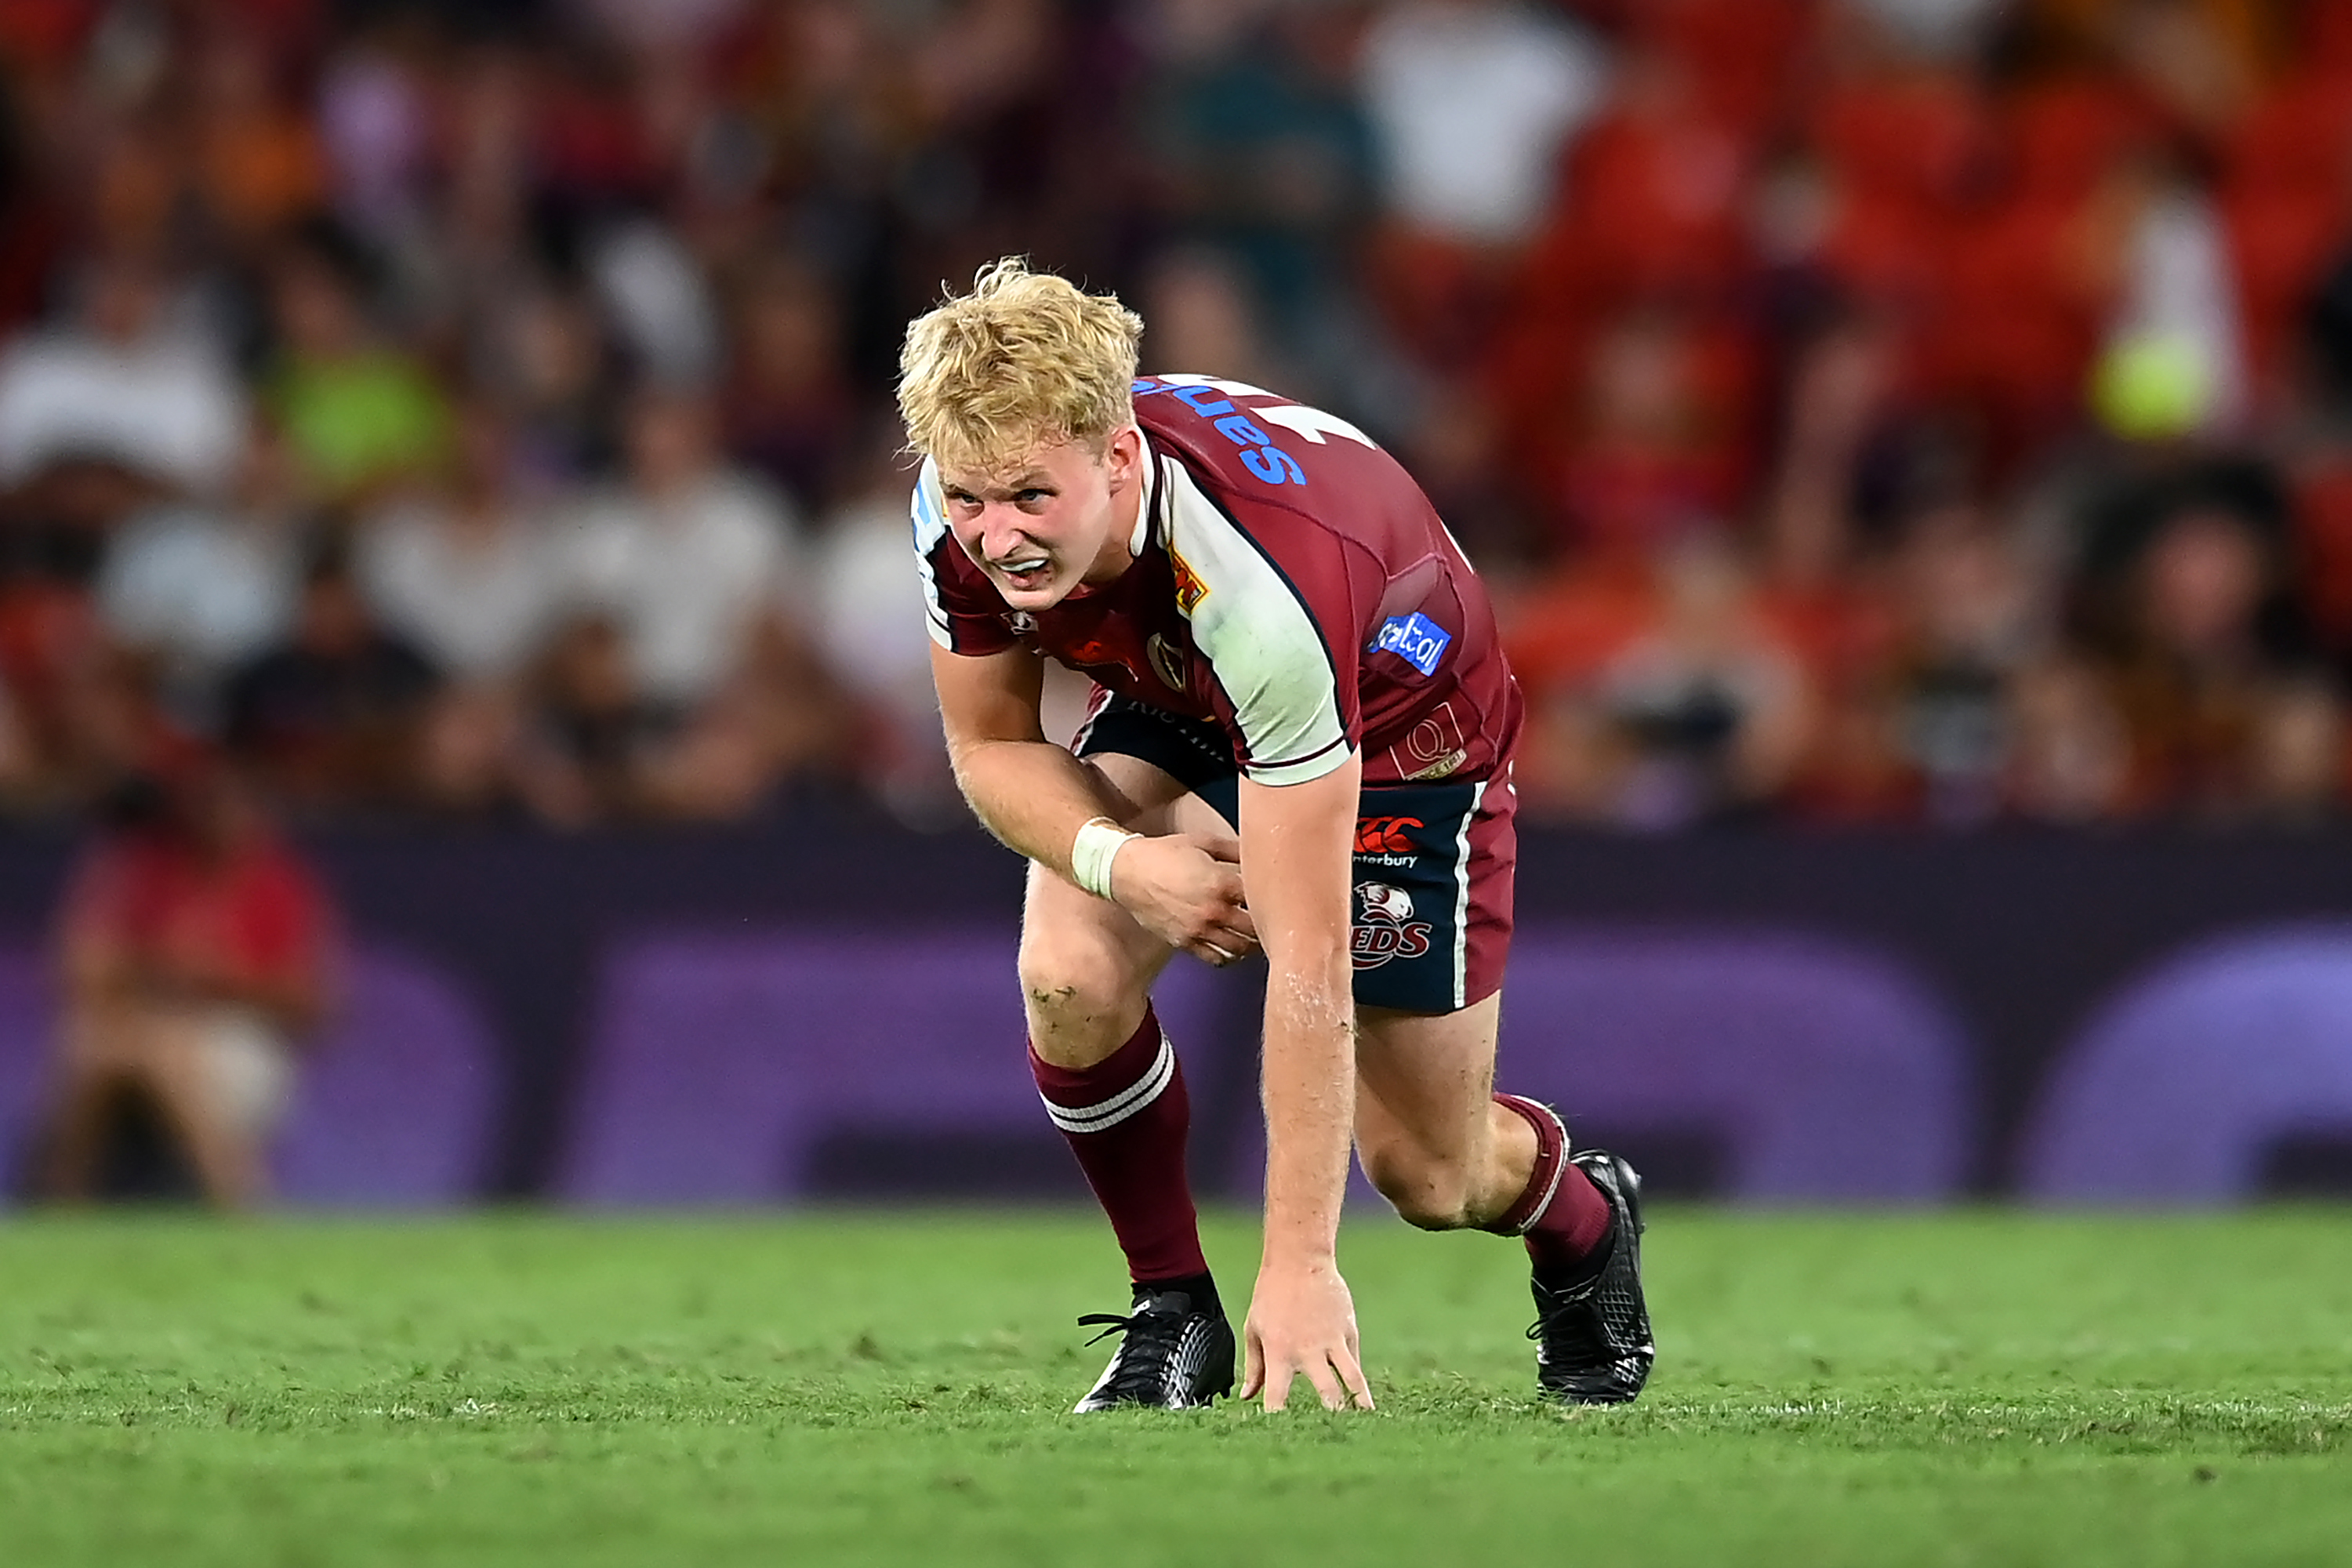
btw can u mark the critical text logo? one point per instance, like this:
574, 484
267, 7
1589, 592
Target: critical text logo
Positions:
1385, 928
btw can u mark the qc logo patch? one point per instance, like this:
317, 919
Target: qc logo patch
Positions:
1433, 749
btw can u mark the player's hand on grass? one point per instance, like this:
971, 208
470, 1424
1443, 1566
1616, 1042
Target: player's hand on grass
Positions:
1302, 1323
1186, 890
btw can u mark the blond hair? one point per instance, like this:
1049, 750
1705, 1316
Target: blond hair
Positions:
1024, 360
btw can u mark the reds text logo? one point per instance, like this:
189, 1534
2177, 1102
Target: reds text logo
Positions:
1385, 927
1385, 835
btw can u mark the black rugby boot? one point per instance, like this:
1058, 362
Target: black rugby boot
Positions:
1176, 1353
1593, 1330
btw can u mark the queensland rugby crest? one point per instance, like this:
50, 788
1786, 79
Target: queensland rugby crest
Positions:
1434, 749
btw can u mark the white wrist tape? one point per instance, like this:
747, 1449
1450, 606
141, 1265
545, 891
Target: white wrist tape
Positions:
1091, 853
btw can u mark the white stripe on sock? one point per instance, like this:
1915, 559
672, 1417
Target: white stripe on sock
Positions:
1560, 1166
1109, 1113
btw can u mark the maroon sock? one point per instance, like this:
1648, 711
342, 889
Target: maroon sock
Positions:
1125, 1118
1562, 1214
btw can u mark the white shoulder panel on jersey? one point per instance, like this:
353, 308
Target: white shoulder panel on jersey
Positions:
928, 511
1261, 640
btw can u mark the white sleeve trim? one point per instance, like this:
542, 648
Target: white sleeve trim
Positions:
927, 509
1300, 772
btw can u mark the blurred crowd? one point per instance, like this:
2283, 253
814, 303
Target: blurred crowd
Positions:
1867, 411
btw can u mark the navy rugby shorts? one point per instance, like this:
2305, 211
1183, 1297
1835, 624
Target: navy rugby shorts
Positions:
1433, 862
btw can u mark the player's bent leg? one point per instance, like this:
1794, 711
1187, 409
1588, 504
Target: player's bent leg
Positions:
1450, 1154
1428, 1131
1113, 1085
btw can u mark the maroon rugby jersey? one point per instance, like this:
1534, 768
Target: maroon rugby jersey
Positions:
1290, 580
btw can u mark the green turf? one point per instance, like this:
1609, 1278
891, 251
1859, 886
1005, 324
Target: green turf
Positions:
1832, 1389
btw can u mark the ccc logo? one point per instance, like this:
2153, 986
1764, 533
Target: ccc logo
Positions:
1385, 835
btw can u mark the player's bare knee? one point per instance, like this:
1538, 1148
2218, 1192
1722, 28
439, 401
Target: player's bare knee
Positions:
1427, 1192
1081, 1006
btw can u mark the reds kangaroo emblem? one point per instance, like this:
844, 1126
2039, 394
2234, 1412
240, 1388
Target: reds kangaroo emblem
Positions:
1385, 928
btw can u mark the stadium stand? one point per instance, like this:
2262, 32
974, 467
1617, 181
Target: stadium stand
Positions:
1805, 281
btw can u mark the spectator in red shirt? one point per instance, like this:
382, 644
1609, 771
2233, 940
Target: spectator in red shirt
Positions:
195, 954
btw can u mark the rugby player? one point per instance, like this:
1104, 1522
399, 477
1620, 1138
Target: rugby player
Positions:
1301, 743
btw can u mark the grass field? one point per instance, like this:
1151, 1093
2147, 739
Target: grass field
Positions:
872, 1387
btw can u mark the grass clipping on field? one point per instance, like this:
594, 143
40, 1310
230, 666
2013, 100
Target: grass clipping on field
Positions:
869, 1387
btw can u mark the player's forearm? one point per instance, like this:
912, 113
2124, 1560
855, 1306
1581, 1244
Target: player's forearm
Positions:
1295, 840
1311, 1109
1032, 794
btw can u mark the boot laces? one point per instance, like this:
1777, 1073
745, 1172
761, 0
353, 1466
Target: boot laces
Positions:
1154, 1330
1572, 1319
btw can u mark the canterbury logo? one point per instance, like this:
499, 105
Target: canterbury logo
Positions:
1385, 835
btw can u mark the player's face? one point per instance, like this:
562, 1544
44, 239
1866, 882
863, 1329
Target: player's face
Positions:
1058, 517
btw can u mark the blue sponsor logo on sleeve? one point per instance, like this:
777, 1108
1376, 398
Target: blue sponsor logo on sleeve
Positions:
1416, 638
